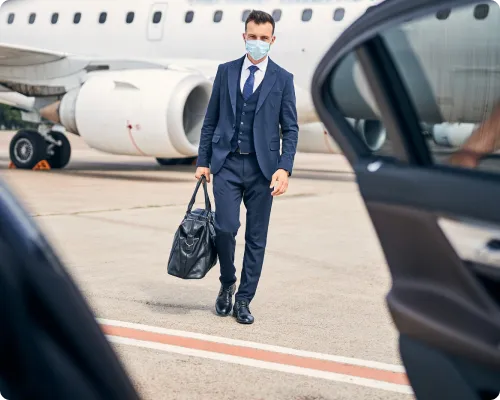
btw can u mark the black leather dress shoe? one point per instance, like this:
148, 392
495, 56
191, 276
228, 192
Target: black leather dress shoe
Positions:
242, 313
224, 301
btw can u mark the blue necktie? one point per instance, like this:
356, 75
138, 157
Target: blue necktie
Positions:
248, 87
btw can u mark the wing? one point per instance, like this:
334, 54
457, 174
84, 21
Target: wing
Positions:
19, 56
38, 73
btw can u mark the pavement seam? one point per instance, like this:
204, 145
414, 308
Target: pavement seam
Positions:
297, 196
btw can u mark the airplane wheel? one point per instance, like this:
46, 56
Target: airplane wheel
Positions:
27, 148
177, 161
59, 155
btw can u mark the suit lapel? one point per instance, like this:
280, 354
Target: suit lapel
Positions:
233, 81
267, 83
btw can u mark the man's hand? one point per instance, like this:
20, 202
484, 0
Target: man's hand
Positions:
279, 182
200, 171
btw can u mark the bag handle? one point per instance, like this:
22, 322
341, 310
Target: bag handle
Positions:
208, 205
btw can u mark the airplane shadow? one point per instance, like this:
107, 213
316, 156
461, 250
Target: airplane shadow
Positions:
125, 171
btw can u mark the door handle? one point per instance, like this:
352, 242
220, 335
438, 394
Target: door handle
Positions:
473, 241
489, 254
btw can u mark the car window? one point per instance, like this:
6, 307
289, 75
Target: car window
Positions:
352, 95
453, 82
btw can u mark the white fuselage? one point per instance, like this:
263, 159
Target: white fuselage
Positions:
298, 47
190, 34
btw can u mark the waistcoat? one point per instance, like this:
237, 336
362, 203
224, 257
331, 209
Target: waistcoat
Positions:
245, 113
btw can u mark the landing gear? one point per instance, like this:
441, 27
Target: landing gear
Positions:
28, 148
58, 155
177, 161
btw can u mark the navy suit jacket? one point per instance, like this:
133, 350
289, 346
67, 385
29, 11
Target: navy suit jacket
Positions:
276, 107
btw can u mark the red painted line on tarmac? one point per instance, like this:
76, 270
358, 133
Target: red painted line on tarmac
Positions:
257, 354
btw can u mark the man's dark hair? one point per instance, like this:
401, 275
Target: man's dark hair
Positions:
259, 17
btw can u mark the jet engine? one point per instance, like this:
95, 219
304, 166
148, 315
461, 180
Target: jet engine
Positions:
155, 113
313, 138
451, 135
372, 132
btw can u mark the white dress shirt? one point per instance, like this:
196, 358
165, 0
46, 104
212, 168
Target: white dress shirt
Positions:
258, 76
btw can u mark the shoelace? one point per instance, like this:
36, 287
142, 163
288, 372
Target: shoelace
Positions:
225, 290
241, 304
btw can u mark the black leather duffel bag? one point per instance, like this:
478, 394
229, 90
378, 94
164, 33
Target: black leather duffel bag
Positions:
193, 251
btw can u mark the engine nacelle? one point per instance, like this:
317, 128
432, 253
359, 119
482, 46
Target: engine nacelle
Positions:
451, 135
372, 132
313, 137
156, 113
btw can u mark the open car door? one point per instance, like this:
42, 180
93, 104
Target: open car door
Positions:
428, 71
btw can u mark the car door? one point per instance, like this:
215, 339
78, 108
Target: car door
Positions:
51, 346
428, 71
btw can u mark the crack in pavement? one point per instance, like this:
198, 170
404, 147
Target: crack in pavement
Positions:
104, 210
152, 206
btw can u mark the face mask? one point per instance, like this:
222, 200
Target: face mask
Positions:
257, 48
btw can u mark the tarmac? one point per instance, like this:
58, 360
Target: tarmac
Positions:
322, 329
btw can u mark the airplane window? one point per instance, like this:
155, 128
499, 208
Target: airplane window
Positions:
443, 14
102, 17
277, 15
245, 15
55, 18
481, 11
130, 17
10, 18
32, 18
338, 14
189, 17
77, 18
307, 14
157, 17
218, 16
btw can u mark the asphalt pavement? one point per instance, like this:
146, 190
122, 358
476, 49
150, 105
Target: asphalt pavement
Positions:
321, 331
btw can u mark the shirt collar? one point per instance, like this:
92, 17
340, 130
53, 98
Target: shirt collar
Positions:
262, 65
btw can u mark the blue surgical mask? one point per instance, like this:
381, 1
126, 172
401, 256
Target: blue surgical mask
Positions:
257, 48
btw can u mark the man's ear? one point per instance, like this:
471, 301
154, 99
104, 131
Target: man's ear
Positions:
244, 37
273, 39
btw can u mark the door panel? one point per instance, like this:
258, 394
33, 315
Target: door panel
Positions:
157, 18
437, 217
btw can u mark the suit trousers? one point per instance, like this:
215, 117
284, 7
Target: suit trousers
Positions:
241, 178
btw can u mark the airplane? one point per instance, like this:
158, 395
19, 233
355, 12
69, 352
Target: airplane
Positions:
134, 77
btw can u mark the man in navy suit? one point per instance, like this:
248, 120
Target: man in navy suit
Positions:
240, 145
